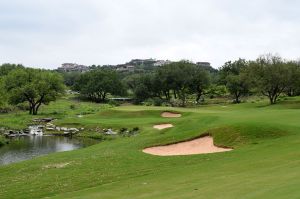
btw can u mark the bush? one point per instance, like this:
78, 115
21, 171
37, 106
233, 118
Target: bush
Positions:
127, 133
157, 101
6, 109
136, 129
72, 106
3, 141
114, 103
175, 102
23, 106
148, 102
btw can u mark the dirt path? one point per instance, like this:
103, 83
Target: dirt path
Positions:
202, 145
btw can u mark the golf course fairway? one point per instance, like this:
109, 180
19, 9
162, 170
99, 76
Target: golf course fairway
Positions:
265, 162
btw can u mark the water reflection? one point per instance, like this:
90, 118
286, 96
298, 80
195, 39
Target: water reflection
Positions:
23, 148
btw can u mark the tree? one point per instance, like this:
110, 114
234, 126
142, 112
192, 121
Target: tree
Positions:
177, 77
238, 86
144, 86
270, 76
70, 78
233, 76
97, 84
3, 95
35, 86
293, 87
6, 68
199, 83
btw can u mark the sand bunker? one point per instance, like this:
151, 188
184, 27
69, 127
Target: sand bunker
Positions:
170, 115
202, 145
163, 126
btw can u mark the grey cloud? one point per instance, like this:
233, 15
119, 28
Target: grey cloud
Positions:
46, 33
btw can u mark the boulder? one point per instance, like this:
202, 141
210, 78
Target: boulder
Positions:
64, 129
73, 129
43, 119
110, 132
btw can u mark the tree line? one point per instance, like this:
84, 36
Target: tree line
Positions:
176, 83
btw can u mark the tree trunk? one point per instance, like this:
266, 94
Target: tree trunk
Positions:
103, 97
198, 98
199, 94
237, 97
174, 92
30, 109
35, 110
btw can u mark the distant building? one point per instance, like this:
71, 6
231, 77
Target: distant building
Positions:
125, 68
203, 64
72, 67
137, 62
161, 62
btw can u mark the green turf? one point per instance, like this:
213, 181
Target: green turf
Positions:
265, 162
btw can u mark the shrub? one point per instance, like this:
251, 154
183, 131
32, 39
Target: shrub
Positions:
136, 129
6, 109
113, 103
3, 141
157, 101
148, 102
72, 106
23, 106
175, 102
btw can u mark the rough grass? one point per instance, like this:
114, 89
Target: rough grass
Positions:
3, 141
264, 164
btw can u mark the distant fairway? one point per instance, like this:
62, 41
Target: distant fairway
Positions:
265, 162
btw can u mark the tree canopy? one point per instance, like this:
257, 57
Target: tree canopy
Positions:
270, 75
98, 83
34, 86
234, 76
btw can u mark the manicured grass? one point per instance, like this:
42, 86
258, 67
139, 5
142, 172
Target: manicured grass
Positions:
264, 164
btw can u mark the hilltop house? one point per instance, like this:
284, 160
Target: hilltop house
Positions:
72, 67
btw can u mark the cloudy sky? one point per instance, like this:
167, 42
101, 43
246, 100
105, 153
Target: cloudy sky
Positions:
46, 33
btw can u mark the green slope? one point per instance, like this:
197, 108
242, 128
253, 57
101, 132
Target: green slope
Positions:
264, 164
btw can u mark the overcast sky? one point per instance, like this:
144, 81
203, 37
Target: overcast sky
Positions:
47, 33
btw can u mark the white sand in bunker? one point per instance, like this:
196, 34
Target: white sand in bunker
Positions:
202, 145
163, 126
170, 114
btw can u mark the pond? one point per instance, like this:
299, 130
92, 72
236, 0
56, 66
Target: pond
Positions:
28, 147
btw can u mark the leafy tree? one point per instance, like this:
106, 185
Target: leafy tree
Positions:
234, 76
70, 78
34, 86
293, 87
177, 77
199, 83
97, 84
238, 86
144, 86
3, 95
231, 68
271, 76
6, 68
215, 90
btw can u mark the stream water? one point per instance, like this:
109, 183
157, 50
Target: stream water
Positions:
28, 147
